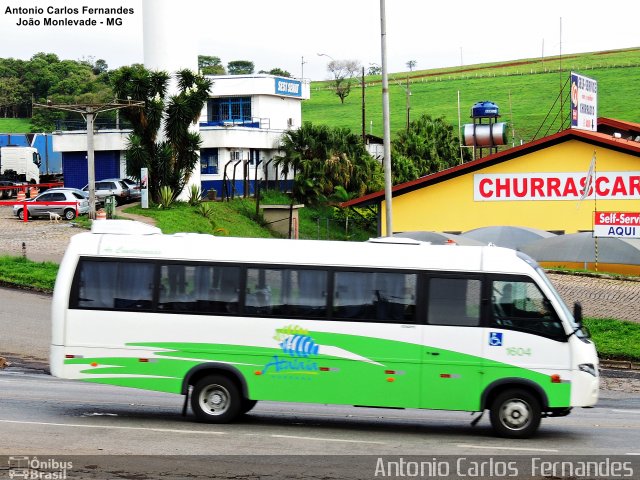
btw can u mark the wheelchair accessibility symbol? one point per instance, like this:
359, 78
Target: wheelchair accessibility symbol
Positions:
495, 339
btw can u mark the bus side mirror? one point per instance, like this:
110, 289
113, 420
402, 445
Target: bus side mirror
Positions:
577, 313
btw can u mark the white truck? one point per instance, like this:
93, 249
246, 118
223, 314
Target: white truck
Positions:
20, 164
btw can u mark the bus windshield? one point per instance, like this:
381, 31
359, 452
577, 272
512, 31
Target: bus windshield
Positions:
579, 331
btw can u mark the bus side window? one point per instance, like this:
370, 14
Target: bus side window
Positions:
286, 291
380, 296
177, 287
216, 289
454, 301
520, 305
115, 285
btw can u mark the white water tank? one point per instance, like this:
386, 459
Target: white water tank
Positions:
484, 135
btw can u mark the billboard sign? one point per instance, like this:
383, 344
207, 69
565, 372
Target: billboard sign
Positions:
144, 188
616, 224
498, 187
584, 102
288, 87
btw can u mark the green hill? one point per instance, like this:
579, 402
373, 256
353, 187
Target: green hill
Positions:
525, 90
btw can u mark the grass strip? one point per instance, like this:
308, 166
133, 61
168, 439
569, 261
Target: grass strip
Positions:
24, 273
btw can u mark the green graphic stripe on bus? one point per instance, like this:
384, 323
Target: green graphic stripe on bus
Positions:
449, 380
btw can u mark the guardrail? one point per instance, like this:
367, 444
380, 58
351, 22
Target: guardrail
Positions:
27, 186
25, 204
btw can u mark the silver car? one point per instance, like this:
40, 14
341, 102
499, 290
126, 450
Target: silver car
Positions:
134, 187
105, 188
54, 202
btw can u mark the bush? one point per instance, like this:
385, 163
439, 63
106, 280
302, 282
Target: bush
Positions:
195, 195
205, 209
167, 197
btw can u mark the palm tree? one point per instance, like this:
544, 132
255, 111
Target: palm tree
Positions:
172, 156
325, 159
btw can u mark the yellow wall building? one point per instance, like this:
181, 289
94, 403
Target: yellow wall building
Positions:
539, 184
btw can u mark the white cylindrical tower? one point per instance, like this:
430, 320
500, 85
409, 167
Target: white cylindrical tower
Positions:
170, 44
170, 39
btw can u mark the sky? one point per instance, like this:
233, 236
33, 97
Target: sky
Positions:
285, 34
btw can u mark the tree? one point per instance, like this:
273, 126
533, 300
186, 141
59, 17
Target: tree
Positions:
277, 72
210, 65
326, 160
100, 66
374, 70
411, 64
343, 72
240, 67
12, 93
169, 150
429, 145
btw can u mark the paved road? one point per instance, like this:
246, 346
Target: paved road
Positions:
25, 326
45, 414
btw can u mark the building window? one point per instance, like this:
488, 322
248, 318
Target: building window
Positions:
229, 109
209, 161
254, 157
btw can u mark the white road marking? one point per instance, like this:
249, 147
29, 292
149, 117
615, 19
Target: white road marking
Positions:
114, 427
324, 439
524, 449
619, 410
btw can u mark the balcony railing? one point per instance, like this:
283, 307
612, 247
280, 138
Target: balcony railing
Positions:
252, 123
70, 125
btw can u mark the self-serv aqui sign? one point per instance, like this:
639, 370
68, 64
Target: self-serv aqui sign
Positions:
288, 87
616, 224
584, 102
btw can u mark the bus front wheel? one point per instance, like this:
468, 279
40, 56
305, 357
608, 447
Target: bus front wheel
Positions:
216, 399
515, 413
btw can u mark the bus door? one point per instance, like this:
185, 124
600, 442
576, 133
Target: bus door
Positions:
344, 337
452, 342
525, 338
372, 345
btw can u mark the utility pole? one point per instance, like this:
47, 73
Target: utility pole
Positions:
89, 112
386, 121
364, 131
408, 92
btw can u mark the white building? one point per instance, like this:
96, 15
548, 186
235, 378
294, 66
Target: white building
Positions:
241, 126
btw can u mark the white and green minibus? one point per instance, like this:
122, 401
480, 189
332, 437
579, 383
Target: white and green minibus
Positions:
227, 322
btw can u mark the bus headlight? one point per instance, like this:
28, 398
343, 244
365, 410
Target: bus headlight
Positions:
588, 368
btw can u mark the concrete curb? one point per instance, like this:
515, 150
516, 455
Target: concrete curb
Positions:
620, 364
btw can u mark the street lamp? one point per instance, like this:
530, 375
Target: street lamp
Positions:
326, 55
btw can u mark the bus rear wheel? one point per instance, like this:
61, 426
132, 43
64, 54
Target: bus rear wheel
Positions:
216, 399
515, 413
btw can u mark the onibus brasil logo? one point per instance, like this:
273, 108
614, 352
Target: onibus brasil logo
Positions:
299, 346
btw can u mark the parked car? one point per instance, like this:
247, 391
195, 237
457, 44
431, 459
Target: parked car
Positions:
69, 189
53, 199
7, 192
104, 188
134, 187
